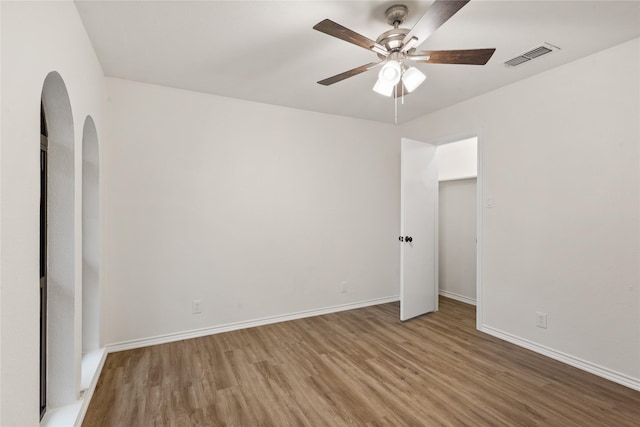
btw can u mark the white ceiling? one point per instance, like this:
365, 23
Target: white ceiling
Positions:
267, 51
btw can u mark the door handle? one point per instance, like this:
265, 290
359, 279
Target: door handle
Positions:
408, 239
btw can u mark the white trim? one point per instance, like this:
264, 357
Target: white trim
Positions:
479, 233
436, 232
616, 377
88, 394
457, 297
195, 333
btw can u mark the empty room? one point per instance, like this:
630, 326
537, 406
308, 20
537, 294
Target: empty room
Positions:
319, 213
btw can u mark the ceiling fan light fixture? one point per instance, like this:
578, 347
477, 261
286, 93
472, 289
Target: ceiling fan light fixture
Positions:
383, 88
412, 78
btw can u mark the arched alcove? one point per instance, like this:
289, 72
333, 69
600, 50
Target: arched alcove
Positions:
90, 250
61, 369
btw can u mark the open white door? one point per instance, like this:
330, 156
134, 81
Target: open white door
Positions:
419, 225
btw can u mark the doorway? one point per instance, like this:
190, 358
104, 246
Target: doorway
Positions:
457, 230
460, 160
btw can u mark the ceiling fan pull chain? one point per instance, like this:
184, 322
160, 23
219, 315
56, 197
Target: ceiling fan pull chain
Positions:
395, 101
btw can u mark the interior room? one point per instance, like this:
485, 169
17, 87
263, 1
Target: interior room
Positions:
319, 213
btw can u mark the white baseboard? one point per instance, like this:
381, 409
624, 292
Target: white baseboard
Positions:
457, 297
195, 333
88, 394
617, 377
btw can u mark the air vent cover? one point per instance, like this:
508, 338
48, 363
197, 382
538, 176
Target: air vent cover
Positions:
536, 52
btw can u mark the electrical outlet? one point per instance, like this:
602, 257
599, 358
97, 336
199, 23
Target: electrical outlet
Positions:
541, 321
345, 288
196, 306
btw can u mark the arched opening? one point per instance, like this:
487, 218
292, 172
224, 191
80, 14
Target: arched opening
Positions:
90, 253
60, 244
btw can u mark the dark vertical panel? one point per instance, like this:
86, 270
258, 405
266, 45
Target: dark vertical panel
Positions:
43, 262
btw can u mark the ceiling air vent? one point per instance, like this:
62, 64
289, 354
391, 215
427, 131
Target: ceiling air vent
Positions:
534, 53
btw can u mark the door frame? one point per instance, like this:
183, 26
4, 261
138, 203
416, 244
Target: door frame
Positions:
479, 210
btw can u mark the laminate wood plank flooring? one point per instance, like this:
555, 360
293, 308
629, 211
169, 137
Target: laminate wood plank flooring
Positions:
354, 368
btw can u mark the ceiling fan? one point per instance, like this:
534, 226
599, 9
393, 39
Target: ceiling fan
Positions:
396, 48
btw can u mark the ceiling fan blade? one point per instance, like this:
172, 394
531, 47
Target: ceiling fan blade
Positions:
343, 33
467, 56
439, 13
350, 73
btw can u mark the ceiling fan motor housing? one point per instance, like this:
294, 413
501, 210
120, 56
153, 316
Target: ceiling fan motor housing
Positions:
396, 14
393, 38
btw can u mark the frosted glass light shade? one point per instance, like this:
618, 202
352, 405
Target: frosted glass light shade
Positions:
383, 88
390, 72
412, 78
388, 77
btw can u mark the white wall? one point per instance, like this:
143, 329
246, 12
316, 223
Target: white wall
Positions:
37, 37
458, 159
561, 162
457, 239
255, 210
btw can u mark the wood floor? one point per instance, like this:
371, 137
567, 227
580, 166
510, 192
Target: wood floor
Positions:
359, 367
